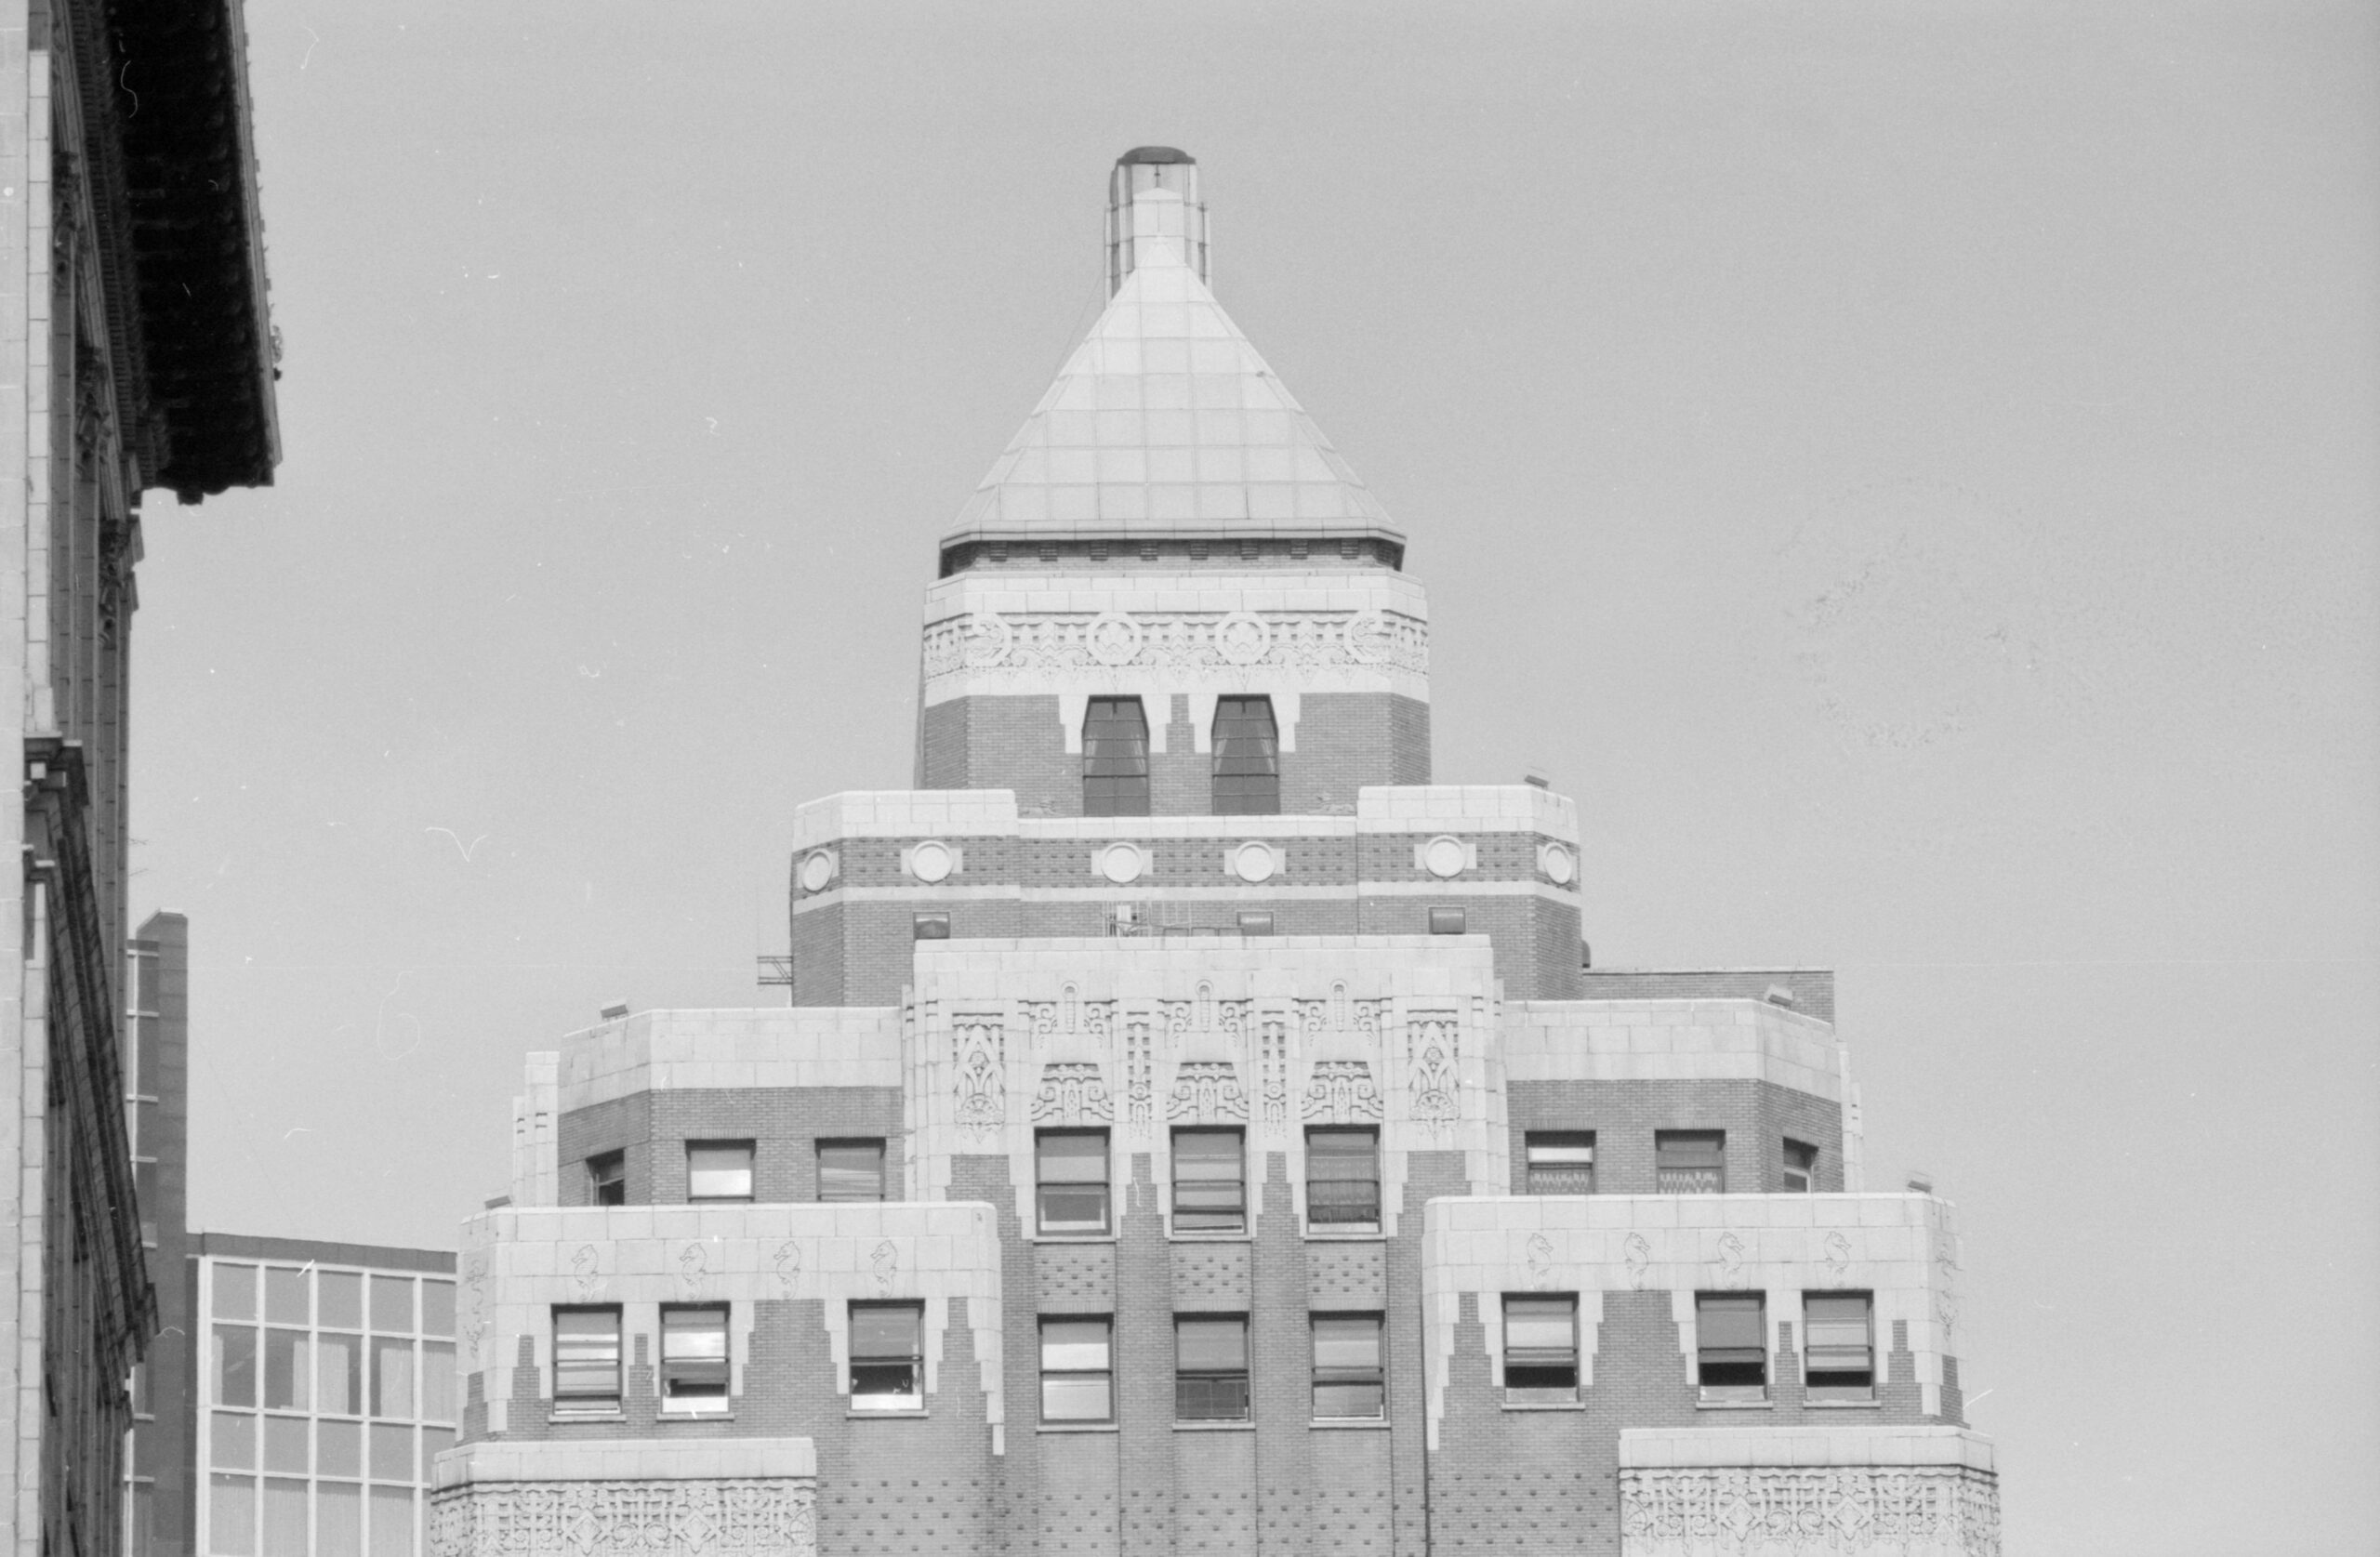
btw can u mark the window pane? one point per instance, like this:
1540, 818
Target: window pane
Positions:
285, 1445
235, 1291
1689, 1162
719, 1171
1074, 1397
1205, 1154
391, 1452
1346, 1342
338, 1519
886, 1329
694, 1353
1213, 1345
434, 1441
235, 1436
393, 1305
1336, 1400
1561, 1163
586, 1355
1115, 758
236, 1365
438, 1380
851, 1170
607, 1178
391, 1377
339, 1449
392, 1521
286, 1366
438, 1308
285, 1518
1211, 1397
339, 1374
1729, 1319
231, 1516
340, 1293
1073, 1343
1074, 1157
1248, 757
1074, 1208
1538, 1323
285, 1297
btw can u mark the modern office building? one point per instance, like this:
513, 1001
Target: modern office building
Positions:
1194, 1130
135, 353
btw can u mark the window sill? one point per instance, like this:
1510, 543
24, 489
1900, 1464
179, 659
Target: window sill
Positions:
1242, 1237
1545, 1406
1073, 1238
560, 1417
889, 1414
1349, 1424
694, 1415
1214, 1427
1735, 1406
1841, 1405
1075, 1426
1368, 1235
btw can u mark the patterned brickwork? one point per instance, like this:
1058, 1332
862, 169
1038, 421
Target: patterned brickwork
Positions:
1210, 1278
1351, 1277
784, 1125
1075, 1278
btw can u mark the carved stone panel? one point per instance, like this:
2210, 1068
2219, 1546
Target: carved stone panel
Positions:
768, 1517
1764, 1510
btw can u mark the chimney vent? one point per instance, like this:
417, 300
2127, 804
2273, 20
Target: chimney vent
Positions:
614, 1011
1153, 194
1920, 1182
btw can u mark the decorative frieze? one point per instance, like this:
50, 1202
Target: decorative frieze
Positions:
1773, 1511
761, 1518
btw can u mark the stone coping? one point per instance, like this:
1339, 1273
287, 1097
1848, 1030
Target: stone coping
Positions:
1649, 1449
629, 1459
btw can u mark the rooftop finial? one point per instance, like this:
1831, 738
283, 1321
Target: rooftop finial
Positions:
1153, 194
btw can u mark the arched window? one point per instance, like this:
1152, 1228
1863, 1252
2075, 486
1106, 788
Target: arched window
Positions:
1115, 758
1248, 757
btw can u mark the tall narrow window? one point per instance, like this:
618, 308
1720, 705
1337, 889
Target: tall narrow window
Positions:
586, 1359
1115, 758
1342, 1180
888, 1356
1347, 1383
1561, 1162
1800, 1167
1078, 1371
1248, 757
694, 1357
1731, 1345
1210, 1185
1070, 1172
851, 1170
607, 1178
718, 1170
1838, 1341
1211, 1369
1541, 1349
1689, 1162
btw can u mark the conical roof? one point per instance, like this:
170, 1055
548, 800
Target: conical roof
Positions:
1165, 422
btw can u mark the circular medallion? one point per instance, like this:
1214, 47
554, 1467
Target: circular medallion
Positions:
1242, 638
1113, 638
1122, 862
985, 642
1253, 862
1558, 862
1445, 857
931, 861
817, 869
1369, 638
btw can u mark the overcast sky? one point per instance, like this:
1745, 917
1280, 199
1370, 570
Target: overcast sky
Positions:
1910, 470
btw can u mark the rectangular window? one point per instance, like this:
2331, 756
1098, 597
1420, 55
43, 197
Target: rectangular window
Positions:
393, 1305
586, 1359
341, 1296
438, 1380
1838, 1345
338, 1519
1209, 1182
1256, 921
231, 1515
1248, 757
1541, 1349
1342, 1180
391, 1377
236, 1365
233, 1441
1561, 1162
1449, 921
285, 1445
1347, 1381
339, 1450
437, 1308
1689, 1162
284, 1296
851, 1170
391, 1453
1210, 1368
931, 926
286, 1370
1078, 1372
235, 1293
339, 1374
1070, 1171
888, 1356
718, 1170
1731, 1345
694, 1357
1115, 758
393, 1533
607, 1180
1801, 1167
285, 1517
